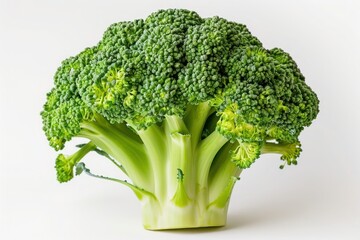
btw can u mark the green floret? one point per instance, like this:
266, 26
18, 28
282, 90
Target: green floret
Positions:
178, 18
181, 105
64, 110
207, 48
232, 125
246, 153
65, 165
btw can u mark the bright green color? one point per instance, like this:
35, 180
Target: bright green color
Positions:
180, 104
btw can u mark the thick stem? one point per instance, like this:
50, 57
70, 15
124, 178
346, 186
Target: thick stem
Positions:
195, 119
127, 151
207, 150
223, 175
181, 159
183, 181
223, 199
171, 216
175, 124
155, 144
182, 211
179, 156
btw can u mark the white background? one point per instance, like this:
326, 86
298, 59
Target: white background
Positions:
318, 199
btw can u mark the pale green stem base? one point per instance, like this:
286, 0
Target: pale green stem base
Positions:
170, 216
183, 180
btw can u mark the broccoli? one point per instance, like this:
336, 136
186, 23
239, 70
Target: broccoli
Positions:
181, 105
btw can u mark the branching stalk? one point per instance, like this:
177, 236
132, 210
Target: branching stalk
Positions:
140, 193
127, 151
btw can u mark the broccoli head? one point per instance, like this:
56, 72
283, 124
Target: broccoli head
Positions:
181, 105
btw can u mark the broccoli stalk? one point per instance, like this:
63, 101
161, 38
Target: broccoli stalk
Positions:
181, 105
